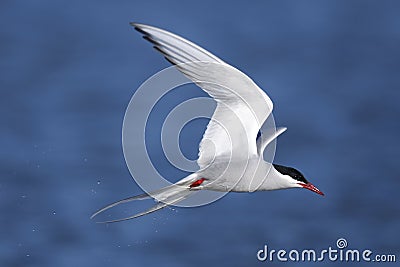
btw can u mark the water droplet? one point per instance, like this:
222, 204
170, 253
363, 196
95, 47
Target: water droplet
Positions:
54, 213
28, 255
98, 182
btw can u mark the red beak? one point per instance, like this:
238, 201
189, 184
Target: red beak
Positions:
311, 187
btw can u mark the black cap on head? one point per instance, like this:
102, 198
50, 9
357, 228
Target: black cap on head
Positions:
292, 172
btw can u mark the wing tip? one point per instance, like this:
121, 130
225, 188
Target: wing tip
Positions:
281, 129
139, 27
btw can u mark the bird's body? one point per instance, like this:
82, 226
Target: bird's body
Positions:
258, 175
230, 154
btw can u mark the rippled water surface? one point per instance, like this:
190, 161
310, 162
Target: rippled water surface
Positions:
69, 69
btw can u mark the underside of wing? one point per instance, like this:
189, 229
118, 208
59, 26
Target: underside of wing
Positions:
242, 106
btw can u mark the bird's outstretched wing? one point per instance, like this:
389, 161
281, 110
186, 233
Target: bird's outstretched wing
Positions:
266, 138
242, 107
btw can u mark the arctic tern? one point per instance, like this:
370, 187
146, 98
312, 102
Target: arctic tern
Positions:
231, 151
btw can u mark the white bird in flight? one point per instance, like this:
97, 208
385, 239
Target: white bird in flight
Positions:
231, 152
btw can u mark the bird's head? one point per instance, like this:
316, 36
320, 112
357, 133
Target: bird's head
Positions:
296, 178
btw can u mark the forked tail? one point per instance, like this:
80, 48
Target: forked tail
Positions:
166, 196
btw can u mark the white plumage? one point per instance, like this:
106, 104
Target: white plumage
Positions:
230, 155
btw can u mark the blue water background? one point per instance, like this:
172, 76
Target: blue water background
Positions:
69, 69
